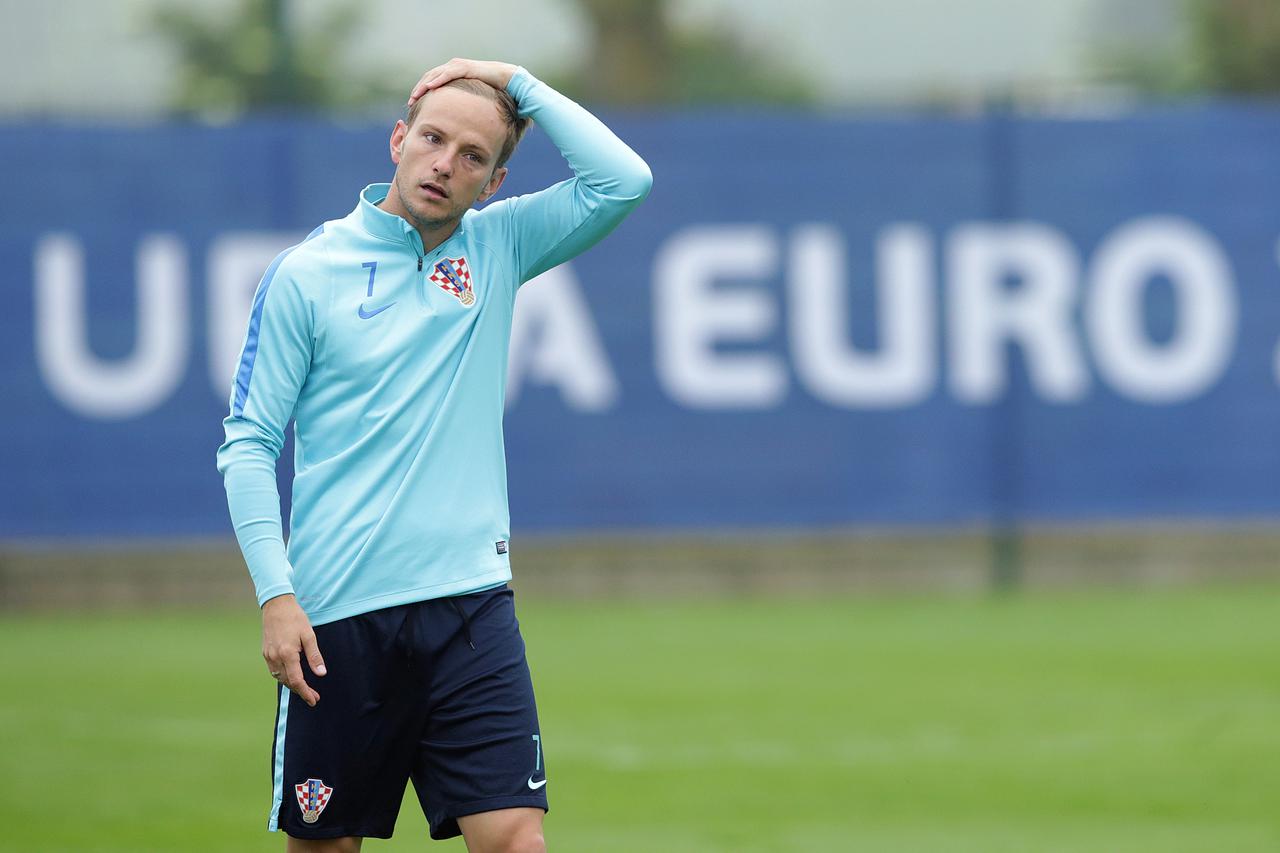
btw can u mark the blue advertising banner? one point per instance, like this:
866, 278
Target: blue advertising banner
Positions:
812, 321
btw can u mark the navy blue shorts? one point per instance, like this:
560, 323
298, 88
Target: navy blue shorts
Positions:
437, 692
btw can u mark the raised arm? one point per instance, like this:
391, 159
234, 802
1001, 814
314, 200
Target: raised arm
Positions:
609, 181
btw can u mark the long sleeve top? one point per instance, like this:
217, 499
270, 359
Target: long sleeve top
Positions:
391, 362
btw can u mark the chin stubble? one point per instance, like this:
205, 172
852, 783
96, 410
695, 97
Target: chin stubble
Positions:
418, 219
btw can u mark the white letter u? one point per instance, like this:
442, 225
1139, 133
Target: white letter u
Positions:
126, 387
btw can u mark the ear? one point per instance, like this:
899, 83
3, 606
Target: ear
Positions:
499, 175
398, 133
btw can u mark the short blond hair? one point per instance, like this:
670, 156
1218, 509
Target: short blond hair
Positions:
507, 109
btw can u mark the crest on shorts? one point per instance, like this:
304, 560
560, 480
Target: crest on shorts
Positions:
313, 796
453, 276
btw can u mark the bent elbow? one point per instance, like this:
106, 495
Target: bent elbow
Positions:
637, 181
247, 442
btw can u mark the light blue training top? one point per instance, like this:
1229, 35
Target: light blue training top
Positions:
392, 364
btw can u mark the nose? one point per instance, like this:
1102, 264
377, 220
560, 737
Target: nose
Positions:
443, 165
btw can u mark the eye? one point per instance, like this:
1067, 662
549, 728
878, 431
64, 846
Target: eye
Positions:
433, 138
474, 157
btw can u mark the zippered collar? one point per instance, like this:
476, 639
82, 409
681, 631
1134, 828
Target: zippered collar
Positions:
389, 226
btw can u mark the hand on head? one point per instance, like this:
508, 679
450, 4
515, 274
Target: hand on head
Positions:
496, 74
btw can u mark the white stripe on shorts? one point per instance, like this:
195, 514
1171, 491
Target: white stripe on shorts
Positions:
277, 783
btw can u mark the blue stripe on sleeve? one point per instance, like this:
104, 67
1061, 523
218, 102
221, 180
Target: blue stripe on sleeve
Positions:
250, 354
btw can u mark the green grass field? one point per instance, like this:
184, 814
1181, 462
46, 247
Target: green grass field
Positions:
1103, 720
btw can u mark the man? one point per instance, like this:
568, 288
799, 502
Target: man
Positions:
388, 621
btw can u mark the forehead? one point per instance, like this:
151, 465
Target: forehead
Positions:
468, 116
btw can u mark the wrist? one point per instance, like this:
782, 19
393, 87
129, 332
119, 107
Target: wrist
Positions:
504, 72
285, 598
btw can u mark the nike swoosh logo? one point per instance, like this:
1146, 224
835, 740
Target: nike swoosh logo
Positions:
533, 786
365, 315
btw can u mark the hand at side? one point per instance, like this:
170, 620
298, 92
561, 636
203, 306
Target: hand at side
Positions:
286, 636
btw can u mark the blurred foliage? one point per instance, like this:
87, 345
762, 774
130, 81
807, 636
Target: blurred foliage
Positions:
639, 58
256, 59
1229, 47
1237, 44
253, 59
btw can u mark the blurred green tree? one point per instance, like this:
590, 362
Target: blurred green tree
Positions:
639, 58
1237, 45
1225, 47
253, 59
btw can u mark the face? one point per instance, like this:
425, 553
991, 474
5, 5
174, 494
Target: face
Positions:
445, 162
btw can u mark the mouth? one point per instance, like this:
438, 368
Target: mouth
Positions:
433, 190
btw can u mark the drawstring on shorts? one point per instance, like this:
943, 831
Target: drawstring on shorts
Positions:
466, 621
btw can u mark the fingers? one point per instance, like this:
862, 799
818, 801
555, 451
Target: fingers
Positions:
312, 651
420, 88
286, 636
432, 79
292, 678
437, 77
286, 667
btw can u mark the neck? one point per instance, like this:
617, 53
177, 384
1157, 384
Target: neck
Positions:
432, 233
